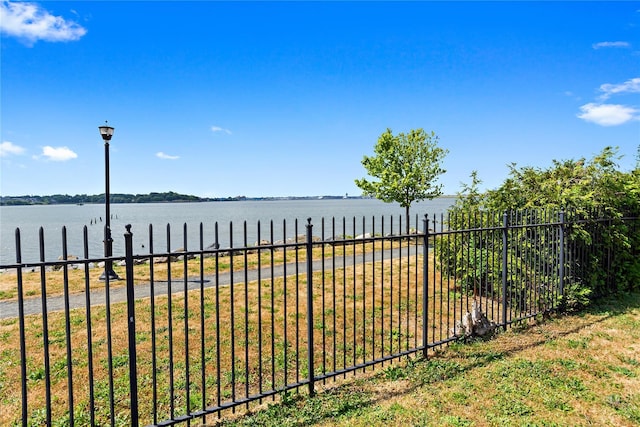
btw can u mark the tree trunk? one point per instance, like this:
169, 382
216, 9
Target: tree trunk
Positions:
407, 218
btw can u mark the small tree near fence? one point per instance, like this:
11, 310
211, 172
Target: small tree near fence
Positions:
405, 167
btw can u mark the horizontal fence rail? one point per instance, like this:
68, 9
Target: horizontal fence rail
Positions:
194, 333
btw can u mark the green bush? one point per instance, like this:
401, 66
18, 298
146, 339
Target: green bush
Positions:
599, 206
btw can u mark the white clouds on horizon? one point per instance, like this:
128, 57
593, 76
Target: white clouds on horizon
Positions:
58, 154
9, 148
29, 22
164, 156
602, 45
608, 114
216, 129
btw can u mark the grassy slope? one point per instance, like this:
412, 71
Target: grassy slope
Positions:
576, 370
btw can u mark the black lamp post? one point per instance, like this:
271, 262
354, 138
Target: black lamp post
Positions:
107, 132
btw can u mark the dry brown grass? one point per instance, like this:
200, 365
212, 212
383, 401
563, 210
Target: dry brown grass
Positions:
254, 334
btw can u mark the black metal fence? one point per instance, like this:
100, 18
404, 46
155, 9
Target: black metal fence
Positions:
190, 335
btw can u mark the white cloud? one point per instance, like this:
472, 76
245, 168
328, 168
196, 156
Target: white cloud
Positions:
58, 154
30, 22
219, 129
608, 114
8, 148
162, 155
630, 86
610, 44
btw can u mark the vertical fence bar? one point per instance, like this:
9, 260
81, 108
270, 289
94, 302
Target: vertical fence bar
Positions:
45, 331
344, 293
446, 239
408, 302
470, 282
610, 255
333, 289
67, 326
107, 292
553, 234
286, 315
539, 249
260, 381
525, 252
310, 345
495, 262
382, 290
154, 358
425, 286
373, 289
185, 282
574, 268
505, 253
273, 306
561, 257
354, 233
324, 309
23, 349
458, 219
172, 397
415, 283
92, 408
246, 312
218, 339
401, 232
513, 273
435, 282
364, 293
297, 264
232, 317
482, 293
203, 359
131, 322
391, 259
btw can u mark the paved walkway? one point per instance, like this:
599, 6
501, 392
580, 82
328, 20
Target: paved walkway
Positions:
33, 305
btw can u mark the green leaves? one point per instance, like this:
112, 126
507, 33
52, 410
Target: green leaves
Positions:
587, 190
581, 185
404, 168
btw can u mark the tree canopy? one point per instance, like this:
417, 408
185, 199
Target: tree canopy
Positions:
581, 185
405, 168
587, 191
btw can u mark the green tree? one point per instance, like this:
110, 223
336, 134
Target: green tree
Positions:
588, 190
406, 167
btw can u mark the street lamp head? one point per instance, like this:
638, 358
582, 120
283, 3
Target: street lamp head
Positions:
106, 132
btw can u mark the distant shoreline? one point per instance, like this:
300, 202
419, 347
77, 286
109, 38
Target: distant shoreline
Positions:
168, 197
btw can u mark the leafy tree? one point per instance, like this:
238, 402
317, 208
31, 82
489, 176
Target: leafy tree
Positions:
588, 191
406, 167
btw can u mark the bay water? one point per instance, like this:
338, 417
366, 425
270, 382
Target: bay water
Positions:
260, 216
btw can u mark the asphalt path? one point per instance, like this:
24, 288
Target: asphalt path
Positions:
118, 293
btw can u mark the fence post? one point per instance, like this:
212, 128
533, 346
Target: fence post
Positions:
505, 259
310, 344
131, 317
561, 257
425, 286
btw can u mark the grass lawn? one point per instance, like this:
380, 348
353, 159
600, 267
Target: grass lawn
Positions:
570, 370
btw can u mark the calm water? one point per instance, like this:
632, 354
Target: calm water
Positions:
53, 218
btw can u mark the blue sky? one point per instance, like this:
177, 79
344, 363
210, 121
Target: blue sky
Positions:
281, 99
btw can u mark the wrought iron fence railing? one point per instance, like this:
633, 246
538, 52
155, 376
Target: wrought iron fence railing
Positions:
193, 333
